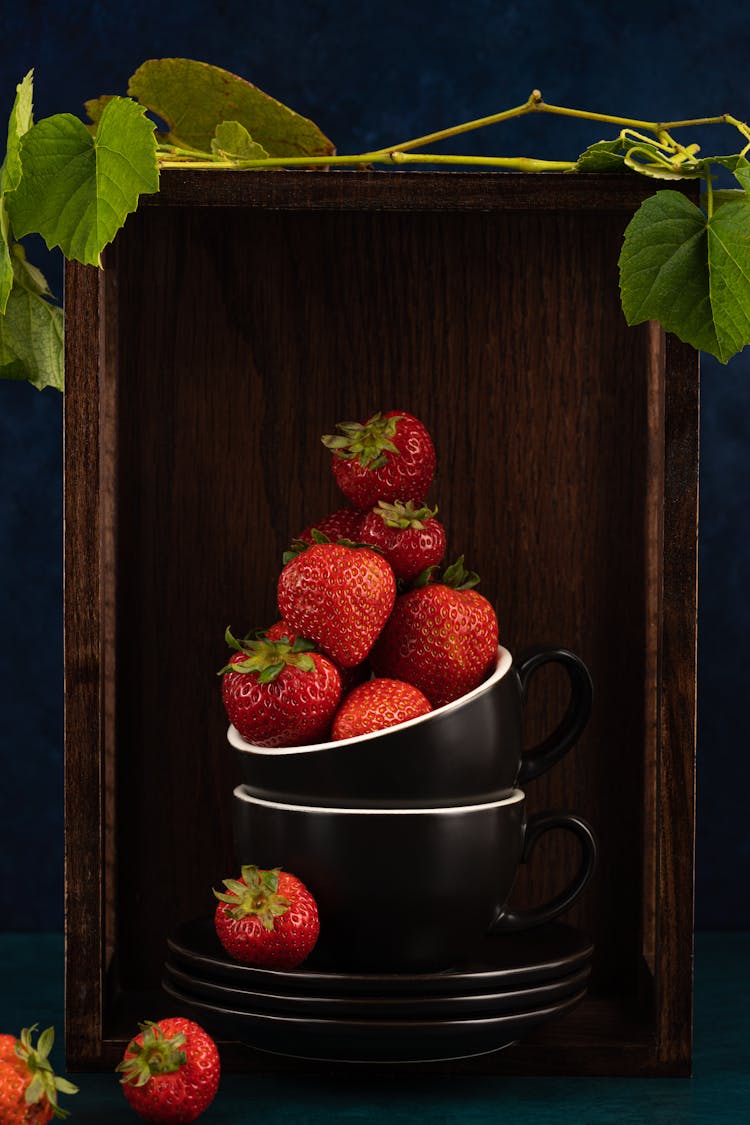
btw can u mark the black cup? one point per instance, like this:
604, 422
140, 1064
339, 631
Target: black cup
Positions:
407, 890
464, 753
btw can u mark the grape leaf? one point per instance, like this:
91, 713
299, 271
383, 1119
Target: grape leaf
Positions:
604, 156
27, 275
193, 98
6, 265
736, 164
19, 122
31, 340
95, 107
233, 141
721, 196
77, 189
689, 272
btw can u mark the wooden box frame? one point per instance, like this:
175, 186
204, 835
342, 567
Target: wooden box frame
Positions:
490, 301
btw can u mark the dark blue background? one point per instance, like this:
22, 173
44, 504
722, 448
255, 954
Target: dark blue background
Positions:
371, 74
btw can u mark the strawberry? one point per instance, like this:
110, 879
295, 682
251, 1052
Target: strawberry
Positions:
409, 536
280, 631
441, 637
280, 693
170, 1071
28, 1085
377, 704
341, 524
388, 457
350, 677
338, 596
268, 918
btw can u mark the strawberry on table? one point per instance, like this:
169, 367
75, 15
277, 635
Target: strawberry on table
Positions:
28, 1085
408, 534
280, 692
441, 637
377, 704
170, 1071
267, 918
388, 457
340, 597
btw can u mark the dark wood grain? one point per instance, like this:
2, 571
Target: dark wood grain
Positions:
84, 673
386, 190
677, 713
245, 315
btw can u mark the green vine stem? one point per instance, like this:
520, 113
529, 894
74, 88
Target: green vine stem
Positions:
684, 264
680, 157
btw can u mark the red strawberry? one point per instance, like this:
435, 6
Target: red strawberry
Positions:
350, 677
441, 637
377, 704
388, 457
268, 918
28, 1086
278, 693
340, 597
279, 631
410, 537
341, 524
170, 1071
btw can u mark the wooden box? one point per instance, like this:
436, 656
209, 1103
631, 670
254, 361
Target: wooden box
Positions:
237, 318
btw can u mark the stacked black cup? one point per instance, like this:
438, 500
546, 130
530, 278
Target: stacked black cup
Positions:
410, 838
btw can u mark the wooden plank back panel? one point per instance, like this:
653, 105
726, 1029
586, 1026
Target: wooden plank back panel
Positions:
266, 331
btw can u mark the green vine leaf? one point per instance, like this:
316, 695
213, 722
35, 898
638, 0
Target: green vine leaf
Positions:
77, 189
738, 165
604, 156
27, 275
689, 272
6, 263
194, 98
95, 107
725, 195
19, 122
233, 142
31, 340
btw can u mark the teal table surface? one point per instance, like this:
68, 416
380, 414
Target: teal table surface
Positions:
31, 991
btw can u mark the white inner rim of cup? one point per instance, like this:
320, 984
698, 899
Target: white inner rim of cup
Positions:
451, 810
504, 661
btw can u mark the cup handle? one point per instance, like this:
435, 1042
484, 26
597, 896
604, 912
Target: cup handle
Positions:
511, 920
539, 758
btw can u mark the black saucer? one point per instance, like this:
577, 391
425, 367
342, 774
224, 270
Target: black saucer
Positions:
490, 1003
507, 962
363, 1041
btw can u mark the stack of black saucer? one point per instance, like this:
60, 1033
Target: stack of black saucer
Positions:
507, 988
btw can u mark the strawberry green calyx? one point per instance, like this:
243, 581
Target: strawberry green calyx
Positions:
155, 1054
458, 577
319, 539
400, 515
44, 1082
368, 442
256, 895
424, 578
269, 658
297, 546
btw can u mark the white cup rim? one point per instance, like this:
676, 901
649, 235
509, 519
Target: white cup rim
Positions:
502, 667
512, 798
